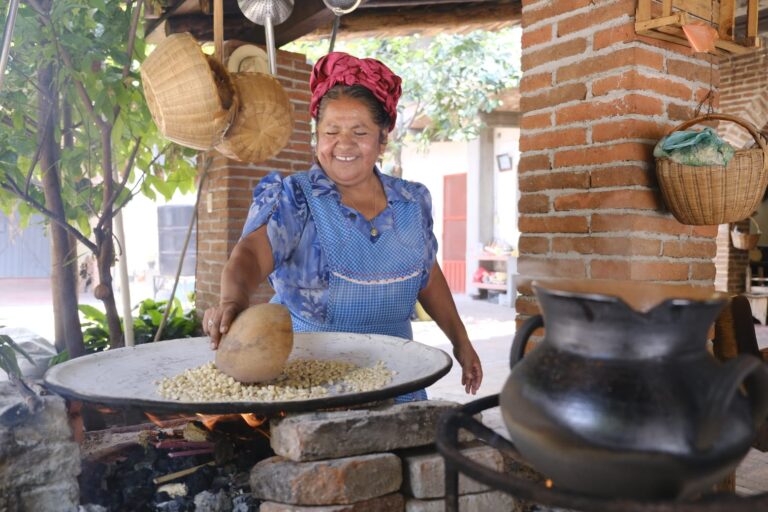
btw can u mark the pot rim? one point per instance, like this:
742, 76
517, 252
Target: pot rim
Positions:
639, 296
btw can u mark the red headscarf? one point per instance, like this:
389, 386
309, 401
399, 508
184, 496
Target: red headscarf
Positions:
342, 68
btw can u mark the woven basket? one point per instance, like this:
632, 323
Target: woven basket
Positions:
715, 194
190, 95
264, 121
746, 241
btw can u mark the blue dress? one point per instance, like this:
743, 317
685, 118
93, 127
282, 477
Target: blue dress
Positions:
330, 271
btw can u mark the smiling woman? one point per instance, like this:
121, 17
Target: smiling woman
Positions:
345, 247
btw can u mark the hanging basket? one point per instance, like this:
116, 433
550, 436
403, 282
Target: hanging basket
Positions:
190, 95
746, 241
715, 194
264, 121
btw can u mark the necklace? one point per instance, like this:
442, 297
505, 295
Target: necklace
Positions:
374, 231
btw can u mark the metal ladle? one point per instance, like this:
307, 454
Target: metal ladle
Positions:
267, 13
339, 8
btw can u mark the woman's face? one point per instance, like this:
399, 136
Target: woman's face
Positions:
348, 141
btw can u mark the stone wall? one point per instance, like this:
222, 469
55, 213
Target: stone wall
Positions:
39, 460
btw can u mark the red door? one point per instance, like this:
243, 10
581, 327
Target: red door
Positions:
455, 231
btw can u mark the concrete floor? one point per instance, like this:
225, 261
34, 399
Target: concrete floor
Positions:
27, 303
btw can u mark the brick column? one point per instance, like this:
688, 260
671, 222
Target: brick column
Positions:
595, 100
744, 85
228, 190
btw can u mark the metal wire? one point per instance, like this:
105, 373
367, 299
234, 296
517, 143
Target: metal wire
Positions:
10, 23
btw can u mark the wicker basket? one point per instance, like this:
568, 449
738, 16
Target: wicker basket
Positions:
715, 194
746, 241
190, 95
264, 121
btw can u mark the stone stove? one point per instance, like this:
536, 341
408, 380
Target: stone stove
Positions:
379, 458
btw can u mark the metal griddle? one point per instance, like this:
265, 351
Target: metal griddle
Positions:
126, 377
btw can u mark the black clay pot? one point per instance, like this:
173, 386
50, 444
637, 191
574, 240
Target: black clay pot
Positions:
621, 398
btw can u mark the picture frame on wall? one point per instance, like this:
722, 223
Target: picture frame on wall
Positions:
504, 161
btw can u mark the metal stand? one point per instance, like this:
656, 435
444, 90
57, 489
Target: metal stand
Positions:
455, 463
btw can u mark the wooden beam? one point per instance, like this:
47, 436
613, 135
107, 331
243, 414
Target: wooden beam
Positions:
752, 18
727, 19
306, 16
406, 21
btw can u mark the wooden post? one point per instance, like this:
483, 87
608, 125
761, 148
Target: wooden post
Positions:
727, 19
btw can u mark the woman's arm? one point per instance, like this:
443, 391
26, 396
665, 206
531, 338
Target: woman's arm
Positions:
248, 266
438, 302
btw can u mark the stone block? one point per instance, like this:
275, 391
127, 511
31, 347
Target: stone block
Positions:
424, 473
495, 501
51, 462
326, 482
316, 436
389, 503
61, 496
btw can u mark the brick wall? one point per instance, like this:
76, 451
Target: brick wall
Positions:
228, 190
744, 84
595, 99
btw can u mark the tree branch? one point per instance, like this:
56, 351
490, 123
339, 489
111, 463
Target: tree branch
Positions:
126, 173
14, 189
131, 43
39, 148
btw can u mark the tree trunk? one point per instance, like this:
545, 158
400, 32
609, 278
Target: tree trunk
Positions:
105, 255
64, 265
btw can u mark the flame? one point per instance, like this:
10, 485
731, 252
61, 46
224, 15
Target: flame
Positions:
548, 484
254, 421
167, 422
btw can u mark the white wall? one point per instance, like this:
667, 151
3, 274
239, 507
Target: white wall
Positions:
506, 141
441, 159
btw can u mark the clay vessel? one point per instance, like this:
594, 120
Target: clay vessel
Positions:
621, 397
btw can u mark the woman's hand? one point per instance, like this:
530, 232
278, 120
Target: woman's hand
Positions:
216, 320
471, 369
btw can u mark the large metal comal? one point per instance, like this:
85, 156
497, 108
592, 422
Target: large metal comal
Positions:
127, 377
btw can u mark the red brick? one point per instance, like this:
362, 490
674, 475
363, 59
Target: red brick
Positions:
534, 82
677, 112
631, 104
533, 203
703, 271
633, 80
622, 176
609, 269
594, 17
533, 163
613, 35
638, 270
626, 151
533, 244
553, 53
636, 199
554, 181
628, 129
699, 72
534, 121
553, 139
525, 306
600, 64
704, 231
688, 249
636, 223
552, 9
538, 36
551, 267
553, 224
554, 96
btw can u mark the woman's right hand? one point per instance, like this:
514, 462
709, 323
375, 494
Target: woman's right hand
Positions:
216, 320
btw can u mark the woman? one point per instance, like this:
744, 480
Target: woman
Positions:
345, 247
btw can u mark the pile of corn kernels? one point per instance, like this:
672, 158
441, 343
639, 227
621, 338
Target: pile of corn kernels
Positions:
301, 379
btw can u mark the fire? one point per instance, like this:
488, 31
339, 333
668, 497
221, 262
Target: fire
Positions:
210, 420
165, 422
254, 421
548, 484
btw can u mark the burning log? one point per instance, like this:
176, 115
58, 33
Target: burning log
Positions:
178, 474
188, 453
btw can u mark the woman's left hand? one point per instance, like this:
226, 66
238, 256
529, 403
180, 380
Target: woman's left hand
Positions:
471, 369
